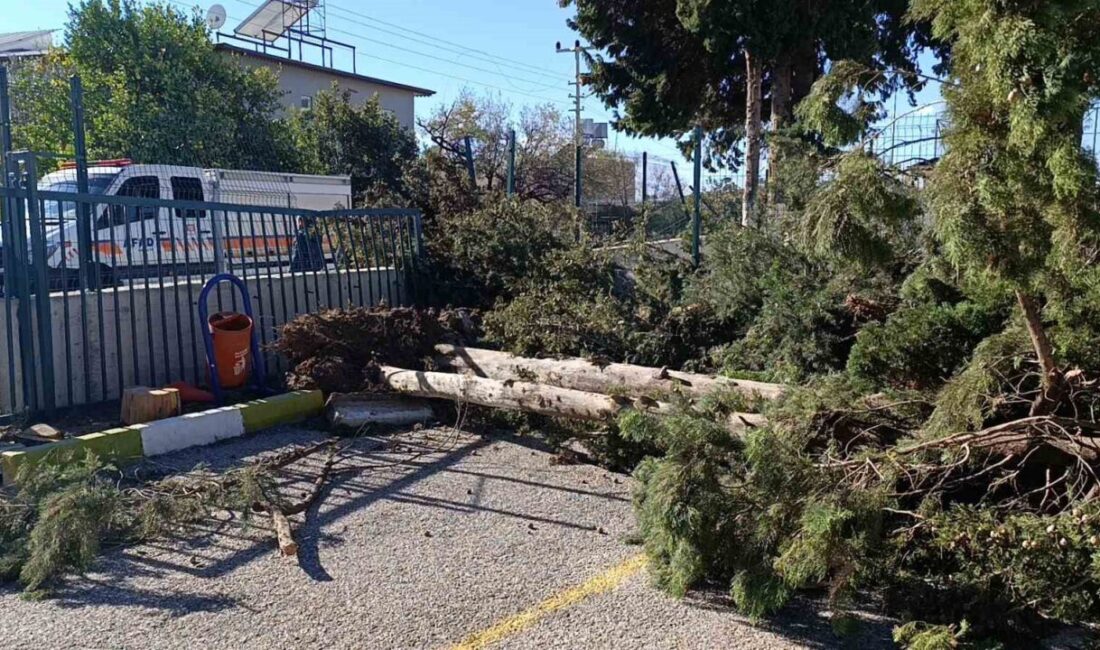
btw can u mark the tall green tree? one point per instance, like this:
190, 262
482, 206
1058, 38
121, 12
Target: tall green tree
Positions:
670, 65
1015, 195
156, 91
361, 140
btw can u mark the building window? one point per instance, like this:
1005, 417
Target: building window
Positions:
306, 102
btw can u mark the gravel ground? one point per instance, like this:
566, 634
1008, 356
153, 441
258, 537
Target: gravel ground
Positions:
436, 535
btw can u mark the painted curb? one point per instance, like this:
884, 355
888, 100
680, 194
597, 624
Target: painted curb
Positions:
281, 409
170, 434
190, 430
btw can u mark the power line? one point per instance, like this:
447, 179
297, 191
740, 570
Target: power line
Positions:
466, 51
439, 40
536, 83
463, 79
439, 58
422, 69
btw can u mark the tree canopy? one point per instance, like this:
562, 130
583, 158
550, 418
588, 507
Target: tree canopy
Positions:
1015, 195
363, 141
156, 90
668, 65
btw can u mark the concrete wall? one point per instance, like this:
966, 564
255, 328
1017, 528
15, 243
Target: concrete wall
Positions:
140, 348
298, 82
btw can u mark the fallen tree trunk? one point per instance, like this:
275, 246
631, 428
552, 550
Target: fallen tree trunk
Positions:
513, 395
543, 399
580, 374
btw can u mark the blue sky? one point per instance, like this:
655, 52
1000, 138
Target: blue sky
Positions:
488, 46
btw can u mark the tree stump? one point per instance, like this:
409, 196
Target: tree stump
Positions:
142, 404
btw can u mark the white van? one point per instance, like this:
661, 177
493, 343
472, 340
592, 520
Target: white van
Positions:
146, 241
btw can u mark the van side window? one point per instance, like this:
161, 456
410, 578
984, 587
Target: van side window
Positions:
147, 187
188, 189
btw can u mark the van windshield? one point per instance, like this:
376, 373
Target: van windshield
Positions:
55, 211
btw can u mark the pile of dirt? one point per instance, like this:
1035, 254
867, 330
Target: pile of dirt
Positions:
332, 349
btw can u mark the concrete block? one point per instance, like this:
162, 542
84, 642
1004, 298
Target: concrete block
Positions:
114, 445
190, 430
355, 411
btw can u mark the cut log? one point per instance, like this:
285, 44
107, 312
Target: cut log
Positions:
532, 397
580, 374
141, 404
39, 433
287, 546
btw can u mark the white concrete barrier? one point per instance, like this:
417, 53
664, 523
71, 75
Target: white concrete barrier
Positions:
151, 335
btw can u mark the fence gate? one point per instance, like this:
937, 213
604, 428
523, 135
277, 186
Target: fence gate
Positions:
100, 292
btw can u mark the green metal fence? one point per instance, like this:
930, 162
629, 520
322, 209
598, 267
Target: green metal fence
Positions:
100, 290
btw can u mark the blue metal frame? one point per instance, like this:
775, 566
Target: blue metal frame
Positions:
259, 375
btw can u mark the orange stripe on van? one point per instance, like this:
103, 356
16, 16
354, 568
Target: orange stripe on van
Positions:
108, 248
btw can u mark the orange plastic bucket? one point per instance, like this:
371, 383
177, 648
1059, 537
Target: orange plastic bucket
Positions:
232, 334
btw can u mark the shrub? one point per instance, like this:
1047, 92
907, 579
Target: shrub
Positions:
481, 255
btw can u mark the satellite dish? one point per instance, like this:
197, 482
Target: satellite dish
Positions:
215, 17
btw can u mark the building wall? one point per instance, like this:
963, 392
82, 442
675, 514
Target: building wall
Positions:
299, 82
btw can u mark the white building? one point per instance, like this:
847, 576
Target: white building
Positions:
18, 45
300, 81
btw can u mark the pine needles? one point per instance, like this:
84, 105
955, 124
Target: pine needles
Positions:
62, 516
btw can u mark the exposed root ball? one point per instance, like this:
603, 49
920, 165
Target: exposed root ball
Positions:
330, 349
330, 374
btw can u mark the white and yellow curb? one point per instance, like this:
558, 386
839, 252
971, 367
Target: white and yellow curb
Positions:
126, 444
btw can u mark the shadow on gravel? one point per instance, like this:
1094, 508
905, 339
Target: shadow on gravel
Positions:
802, 622
110, 592
219, 547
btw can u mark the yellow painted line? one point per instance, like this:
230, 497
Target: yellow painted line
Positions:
595, 586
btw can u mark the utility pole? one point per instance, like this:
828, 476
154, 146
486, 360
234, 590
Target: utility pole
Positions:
578, 134
697, 194
512, 162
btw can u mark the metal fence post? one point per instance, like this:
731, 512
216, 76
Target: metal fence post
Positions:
88, 277
696, 220
5, 121
15, 257
37, 228
512, 162
6, 219
470, 169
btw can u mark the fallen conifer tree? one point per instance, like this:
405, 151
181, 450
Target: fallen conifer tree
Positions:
62, 515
